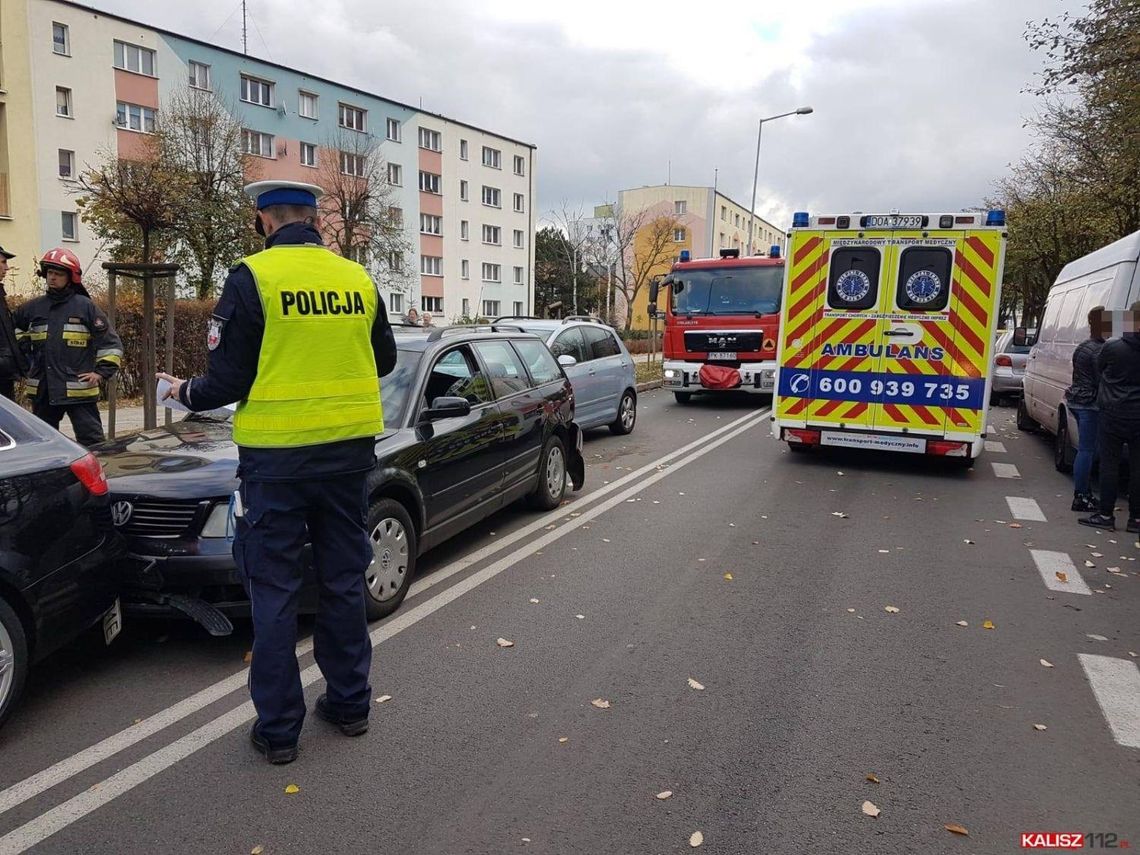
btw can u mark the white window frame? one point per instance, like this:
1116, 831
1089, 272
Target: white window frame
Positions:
492, 272
678, 235
311, 148
393, 130
314, 98
430, 140
518, 307
69, 217
429, 182
680, 206
464, 269
194, 80
519, 239
431, 265
495, 194
464, 192
520, 165
463, 149
520, 203
125, 51
466, 313
492, 157
492, 235
396, 262
395, 175
70, 164
66, 39
464, 230
268, 87
396, 303
68, 106
351, 117
492, 308
396, 216
128, 111
247, 137
520, 275
435, 304
431, 224
352, 164
359, 254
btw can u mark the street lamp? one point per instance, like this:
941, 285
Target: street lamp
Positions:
802, 111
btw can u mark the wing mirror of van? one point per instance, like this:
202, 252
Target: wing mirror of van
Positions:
1023, 337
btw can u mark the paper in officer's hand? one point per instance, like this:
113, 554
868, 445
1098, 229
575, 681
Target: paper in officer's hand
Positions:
161, 396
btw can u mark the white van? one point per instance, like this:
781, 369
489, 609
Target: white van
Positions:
1109, 277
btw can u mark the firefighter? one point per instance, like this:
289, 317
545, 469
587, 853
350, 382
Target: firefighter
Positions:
70, 347
300, 338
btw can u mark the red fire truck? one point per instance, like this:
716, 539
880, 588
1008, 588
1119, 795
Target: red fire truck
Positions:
722, 316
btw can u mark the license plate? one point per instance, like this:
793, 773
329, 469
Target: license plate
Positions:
112, 622
724, 354
876, 441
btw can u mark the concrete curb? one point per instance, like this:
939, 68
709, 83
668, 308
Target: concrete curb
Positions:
652, 384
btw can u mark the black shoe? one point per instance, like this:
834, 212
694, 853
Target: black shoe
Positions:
277, 756
1133, 525
1084, 503
1104, 521
348, 726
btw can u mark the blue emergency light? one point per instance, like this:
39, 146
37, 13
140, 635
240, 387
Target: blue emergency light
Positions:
774, 252
800, 219
686, 255
995, 218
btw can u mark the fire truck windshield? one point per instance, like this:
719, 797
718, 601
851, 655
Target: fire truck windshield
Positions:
728, 291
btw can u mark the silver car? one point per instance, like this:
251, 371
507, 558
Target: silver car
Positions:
600, 368
1009, 367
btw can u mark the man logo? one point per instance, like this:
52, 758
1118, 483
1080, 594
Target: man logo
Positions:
800, 384
121, 513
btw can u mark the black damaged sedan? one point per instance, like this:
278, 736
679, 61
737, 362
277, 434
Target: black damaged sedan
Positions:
475, 419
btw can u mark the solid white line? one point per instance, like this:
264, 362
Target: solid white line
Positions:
1116, 685
111, 745
1049, 564
1024, 509
63, 815
1005, 470
994, 445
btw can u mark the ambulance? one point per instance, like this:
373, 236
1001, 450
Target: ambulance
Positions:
887, 332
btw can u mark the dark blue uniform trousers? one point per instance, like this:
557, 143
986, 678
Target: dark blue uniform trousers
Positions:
267, 549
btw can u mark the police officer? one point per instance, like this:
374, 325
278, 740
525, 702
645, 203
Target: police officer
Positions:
70, 346
300, 338
12, 366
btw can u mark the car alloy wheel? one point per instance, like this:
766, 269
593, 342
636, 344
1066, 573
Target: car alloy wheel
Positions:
627, 415
7, 665
385, 575
13, 659
555, 471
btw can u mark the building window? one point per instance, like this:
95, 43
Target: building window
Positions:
490, 308
431, 265
463, 195
520, 203
395, 262
306, 104
351, 164
466, 308
520, 165
518, 308
353, 118
308, 154
396, 303
464, 230
430, 140
463, 149
60, 39
519, 238
63, 102
464, 271
133, 58
359, 254
135, 117
257, 143
519, 272
492, 273
69, 224
431, 304
678, 235
492, 197
493, 235
430, 224
199, 75
429, 182
393, 132
66, 163
396, 217
492, 157
723, 240
395, 174
256, 91
738, 220
679, 207
724, 213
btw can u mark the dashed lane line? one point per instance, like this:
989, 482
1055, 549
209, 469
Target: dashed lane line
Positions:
994, 446
1116, 686
1055, 566
1005, 470
1025, 509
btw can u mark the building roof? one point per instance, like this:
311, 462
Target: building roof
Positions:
697, 187
87, 8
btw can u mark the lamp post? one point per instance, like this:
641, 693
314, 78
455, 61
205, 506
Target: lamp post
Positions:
801, 111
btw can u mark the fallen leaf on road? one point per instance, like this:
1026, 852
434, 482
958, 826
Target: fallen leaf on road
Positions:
1015, 525
600, 703
534, 599
987, 624
1046, 663
257, 850
870, 809
885, 551
1040, 727
502, 642
292, 789
1096, 637
894, 610
728, 576
564, 739
1089, 564
872, 778
605, 540
248, 657
696, 839
664, 794
840, 474
852, 611
693, 684
954, 828
963, 623
1062, 576
839, 514
580, 617
1132, 653
967, 540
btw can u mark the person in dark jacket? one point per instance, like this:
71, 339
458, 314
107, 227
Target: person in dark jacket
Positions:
1081, 400
1118, 398
71, 348
12, 364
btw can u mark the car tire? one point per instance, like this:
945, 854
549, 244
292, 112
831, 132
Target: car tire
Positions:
995, 399
683, 397
1062, 448
1024, 422
13, 659
393, 540
551, 487
627, 414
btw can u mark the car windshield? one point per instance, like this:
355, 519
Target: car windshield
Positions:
728, 291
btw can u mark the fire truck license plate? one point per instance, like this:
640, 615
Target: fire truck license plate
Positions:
724, 354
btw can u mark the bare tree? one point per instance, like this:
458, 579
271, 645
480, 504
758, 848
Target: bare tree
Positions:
633, 246
570, 225
362, 220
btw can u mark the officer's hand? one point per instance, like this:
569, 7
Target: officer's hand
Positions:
91, 377
175, 385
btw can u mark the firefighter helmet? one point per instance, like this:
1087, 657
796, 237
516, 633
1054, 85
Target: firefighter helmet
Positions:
63, 259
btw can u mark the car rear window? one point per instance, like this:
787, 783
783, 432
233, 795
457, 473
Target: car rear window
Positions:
601, 342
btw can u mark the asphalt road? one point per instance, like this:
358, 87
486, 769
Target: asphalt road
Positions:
700, 549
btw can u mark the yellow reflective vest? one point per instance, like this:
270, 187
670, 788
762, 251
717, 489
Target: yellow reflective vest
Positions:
316, 377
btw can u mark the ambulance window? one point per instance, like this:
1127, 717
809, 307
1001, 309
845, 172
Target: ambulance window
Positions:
853, 282
924, 279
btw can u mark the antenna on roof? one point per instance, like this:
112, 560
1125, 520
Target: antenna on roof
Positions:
244, 31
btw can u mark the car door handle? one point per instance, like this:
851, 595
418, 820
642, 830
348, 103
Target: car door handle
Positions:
907, 333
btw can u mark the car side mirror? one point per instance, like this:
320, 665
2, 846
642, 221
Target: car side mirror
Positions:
1024, 338
654, 289
447, 408
566, 360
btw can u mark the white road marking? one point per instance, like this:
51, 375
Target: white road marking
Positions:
1049, 564
1116, 685
1024, 509
994, 445
1005, 470
55, 774
991, 429
56, 819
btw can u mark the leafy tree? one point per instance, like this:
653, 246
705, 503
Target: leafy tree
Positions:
554, 276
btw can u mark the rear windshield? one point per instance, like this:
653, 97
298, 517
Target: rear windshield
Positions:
728, 291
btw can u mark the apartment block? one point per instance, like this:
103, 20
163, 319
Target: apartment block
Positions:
77, 83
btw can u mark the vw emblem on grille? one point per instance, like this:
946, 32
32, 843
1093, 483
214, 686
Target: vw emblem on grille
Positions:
121, 513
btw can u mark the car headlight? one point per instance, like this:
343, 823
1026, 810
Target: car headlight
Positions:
218, 524
670, 373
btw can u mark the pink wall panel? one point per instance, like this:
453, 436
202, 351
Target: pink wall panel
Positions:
136, 88
132, 145
431, 203
431, 245
431, 161
431, 286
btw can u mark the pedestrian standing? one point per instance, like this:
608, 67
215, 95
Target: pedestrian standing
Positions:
70, 346
300, 338
1080, 399
12, 364
412, 317
427, 319
1118, 398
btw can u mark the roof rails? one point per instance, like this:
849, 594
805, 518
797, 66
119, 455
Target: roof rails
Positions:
438, 332
517, 318
583, 318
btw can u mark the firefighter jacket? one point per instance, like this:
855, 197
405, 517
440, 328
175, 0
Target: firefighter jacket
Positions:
64, 334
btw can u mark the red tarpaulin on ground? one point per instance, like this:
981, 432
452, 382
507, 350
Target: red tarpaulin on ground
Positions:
719, 377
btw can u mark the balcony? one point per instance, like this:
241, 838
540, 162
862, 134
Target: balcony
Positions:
5, 207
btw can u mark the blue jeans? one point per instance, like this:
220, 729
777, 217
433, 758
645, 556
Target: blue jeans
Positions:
1088, 422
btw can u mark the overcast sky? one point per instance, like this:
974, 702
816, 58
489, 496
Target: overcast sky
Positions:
919, 104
